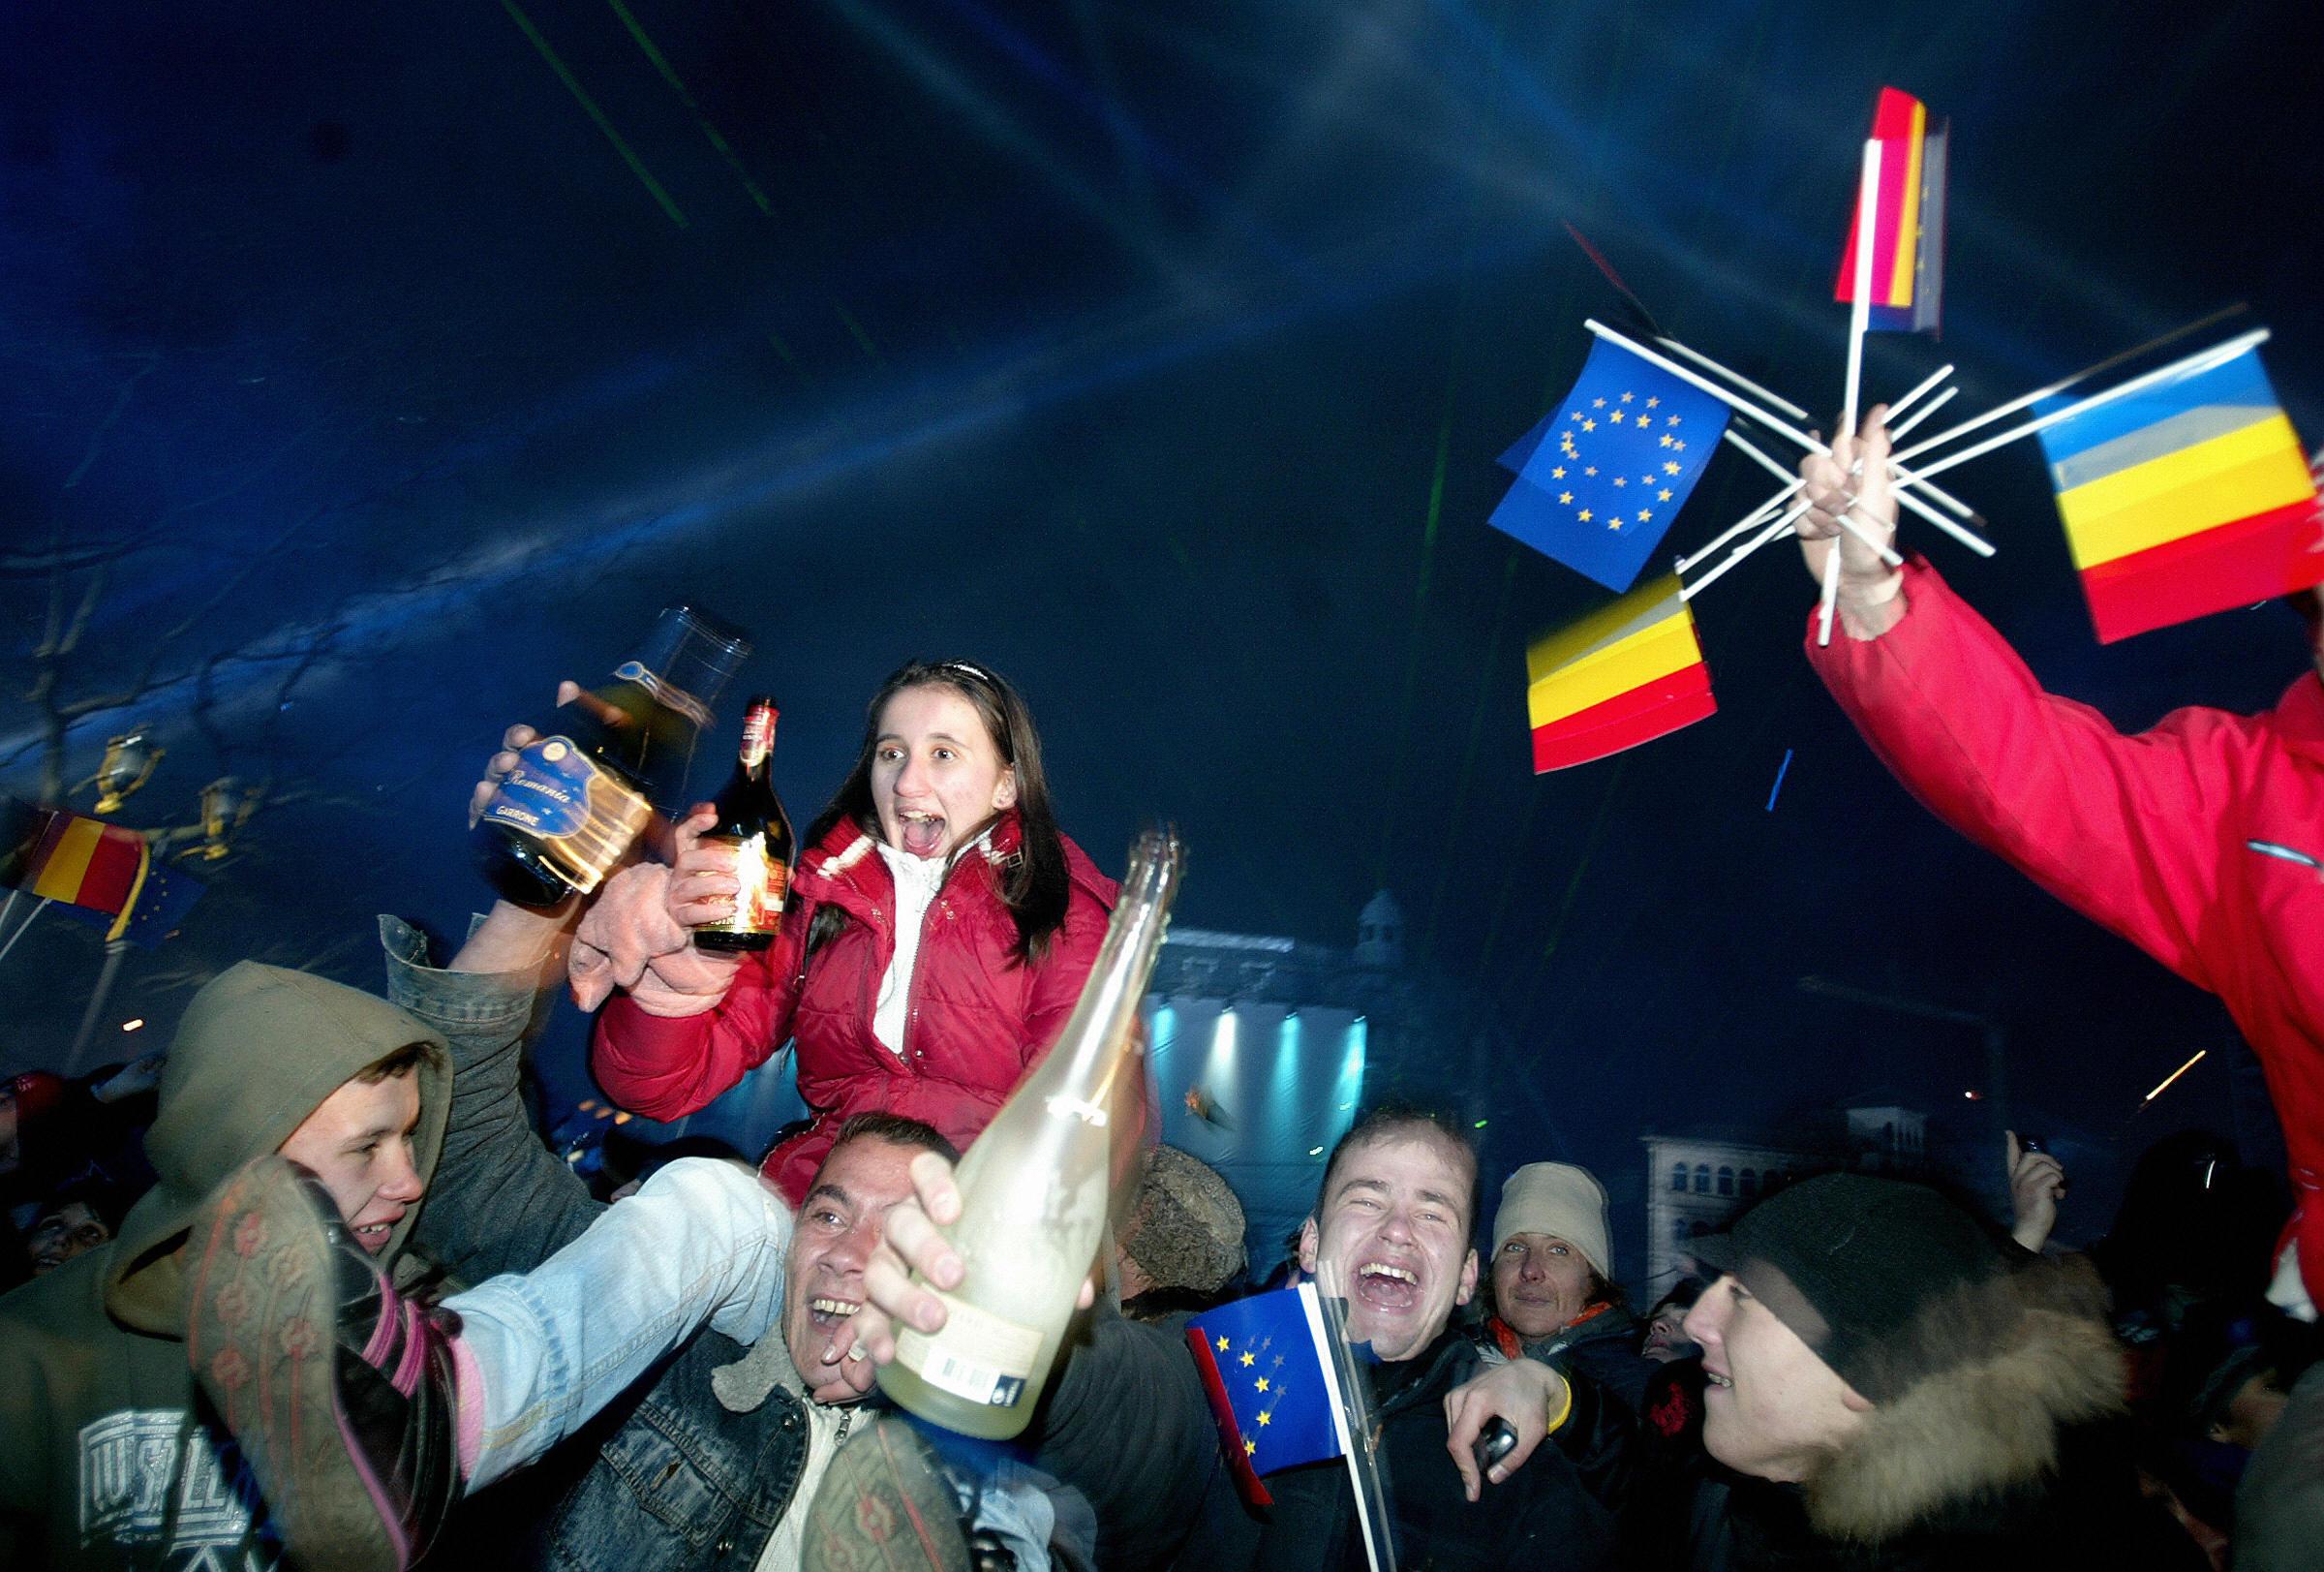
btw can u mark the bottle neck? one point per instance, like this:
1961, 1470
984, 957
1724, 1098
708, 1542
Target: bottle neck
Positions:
759, 738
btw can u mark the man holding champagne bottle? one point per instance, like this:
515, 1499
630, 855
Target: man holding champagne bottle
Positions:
1129, 1426
698, 1317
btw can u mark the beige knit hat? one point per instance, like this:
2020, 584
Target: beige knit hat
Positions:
1185, 1227
1557, 1199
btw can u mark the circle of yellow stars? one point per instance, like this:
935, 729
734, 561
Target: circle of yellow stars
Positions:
1247, 1359
1641, 419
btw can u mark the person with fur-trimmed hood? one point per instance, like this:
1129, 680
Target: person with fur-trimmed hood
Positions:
1891, 1386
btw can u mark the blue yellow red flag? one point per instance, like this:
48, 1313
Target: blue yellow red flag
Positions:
2189, 496
1601, 480
1267, 1364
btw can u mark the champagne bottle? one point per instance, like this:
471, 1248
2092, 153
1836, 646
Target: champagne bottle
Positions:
565, 816
1034, 1186
751, 820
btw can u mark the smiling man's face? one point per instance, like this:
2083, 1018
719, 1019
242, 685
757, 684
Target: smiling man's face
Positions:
841, 1223
1391, 1233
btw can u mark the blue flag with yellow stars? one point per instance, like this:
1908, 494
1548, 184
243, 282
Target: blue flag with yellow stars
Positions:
159, 903
1602, 478
1273, 1393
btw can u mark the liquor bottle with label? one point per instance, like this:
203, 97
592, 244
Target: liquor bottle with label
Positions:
565, 816
1034, 1186
751, 820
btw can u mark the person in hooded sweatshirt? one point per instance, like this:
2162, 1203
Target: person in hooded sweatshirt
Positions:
108, 1458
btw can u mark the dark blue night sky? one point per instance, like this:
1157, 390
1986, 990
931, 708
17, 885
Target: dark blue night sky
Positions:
374, 367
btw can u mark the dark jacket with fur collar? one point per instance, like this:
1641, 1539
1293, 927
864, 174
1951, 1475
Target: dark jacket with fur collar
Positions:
2007, 1455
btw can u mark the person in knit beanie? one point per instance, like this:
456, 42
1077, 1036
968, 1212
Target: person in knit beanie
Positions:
1905, 1389
1550, 1293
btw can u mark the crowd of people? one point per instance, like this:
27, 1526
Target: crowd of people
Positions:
324, 1294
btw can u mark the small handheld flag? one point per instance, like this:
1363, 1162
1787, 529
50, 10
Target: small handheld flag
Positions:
1266, 1363
79, 860
1601, 480
1624, 675
2187, 497
1908, 228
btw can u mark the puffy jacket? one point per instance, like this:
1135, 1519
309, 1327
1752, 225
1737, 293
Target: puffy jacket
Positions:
2011, 1456
979, 1015
2147, 834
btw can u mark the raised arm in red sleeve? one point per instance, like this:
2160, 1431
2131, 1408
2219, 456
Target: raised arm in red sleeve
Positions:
2132, 831
2198, 839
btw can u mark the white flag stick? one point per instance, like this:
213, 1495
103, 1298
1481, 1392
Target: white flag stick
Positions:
2064, 382
1859, 316
1920, 387
1847, 521
1785, 428
2190, 364
1923, 413
24, 927
1781, 524
1830, 595
1757, 516
1738, 378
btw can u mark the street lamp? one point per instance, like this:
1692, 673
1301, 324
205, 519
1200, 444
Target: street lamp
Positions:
128, 764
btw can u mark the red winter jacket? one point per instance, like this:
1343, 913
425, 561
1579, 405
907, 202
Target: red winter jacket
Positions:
2146, 834
978, 1017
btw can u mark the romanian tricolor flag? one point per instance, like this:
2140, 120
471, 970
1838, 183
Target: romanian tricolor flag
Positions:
1623, 675
82, 862
2187, 497
1907, 225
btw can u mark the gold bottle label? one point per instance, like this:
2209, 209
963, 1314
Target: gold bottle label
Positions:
580, 817
765, 887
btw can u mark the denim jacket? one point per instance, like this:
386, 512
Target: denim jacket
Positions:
670, 1478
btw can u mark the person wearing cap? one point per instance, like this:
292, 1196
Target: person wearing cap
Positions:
1550, 1295
1183, 1240
1897, 1388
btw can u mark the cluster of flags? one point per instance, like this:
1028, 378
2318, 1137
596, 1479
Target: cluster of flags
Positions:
2184, 492
105, 873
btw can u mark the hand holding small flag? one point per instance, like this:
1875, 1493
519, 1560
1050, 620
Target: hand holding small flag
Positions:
1854, 481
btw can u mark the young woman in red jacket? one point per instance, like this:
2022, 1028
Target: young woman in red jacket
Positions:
939, 933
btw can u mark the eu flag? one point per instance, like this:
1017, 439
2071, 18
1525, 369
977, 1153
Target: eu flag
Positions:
1602, 478
161, 903
1272, 1391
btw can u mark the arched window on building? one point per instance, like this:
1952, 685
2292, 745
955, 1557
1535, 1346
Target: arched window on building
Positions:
1678, 1177
1750, 1178
1702, 1179
1726, 1181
